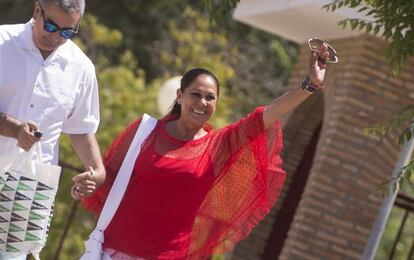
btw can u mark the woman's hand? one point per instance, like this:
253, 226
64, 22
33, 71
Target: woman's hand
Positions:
317, 65
285, 103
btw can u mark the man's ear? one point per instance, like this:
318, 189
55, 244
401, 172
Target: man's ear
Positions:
36, 10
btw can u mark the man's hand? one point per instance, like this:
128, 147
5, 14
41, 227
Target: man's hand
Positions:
25, 135
83, 184
87, 150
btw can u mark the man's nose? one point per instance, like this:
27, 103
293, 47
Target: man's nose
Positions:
57, 38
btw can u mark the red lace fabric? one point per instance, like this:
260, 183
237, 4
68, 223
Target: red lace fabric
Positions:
188, 200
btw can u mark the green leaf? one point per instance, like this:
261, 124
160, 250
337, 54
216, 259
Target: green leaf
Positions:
354, 24
362, 9
409, 135
354, 3
343, 23
327, 7
368, 28
376, 29
387, 33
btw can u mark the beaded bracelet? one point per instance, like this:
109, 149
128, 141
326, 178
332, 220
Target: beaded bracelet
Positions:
309, 86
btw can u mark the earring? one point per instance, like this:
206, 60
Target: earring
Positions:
178, 102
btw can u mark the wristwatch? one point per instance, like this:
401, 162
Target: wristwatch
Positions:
309, 86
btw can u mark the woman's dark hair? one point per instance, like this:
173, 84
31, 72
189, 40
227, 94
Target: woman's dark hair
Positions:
186, 81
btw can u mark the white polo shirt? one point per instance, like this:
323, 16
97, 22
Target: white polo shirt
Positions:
59, 94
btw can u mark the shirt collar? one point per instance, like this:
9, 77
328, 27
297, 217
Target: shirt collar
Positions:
25, 41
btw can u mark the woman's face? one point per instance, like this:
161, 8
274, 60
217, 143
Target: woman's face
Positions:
198, 101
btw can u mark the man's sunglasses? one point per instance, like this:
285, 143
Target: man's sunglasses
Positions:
51, 27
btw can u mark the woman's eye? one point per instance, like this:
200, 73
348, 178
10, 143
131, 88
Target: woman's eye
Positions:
210, 98
196, 94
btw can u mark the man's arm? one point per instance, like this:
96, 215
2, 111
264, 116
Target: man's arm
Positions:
22, 132
87, 149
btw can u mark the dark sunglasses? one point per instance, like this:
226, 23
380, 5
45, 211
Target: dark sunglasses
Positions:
51, 27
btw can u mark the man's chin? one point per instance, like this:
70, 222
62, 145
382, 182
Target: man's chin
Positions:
46, 48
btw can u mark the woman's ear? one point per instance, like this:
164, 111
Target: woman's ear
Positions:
179, 95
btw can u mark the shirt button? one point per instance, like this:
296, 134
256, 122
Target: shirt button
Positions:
31, 105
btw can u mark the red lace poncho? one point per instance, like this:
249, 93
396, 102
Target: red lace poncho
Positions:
190, 199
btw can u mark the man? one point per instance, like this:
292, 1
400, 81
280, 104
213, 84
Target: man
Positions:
48, 84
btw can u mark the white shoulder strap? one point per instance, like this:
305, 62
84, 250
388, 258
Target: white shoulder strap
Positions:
94, 244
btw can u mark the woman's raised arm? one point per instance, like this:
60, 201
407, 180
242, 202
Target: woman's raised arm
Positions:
288, 101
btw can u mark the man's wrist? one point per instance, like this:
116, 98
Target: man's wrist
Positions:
9, 126
5, 126
98, 175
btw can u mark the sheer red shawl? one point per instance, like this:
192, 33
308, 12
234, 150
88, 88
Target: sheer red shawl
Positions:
249, 179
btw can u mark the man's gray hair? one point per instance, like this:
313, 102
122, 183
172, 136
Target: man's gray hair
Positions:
68, 6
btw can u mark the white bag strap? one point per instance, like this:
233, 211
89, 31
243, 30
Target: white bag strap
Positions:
93, 246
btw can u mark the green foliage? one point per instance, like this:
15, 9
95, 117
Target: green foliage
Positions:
405, 115
390, 234
219, 9
393, 225
394, 20
404, 120
190, 43
218, 257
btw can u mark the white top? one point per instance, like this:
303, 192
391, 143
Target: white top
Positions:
59, 94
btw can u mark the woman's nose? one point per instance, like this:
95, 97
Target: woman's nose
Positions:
203, 101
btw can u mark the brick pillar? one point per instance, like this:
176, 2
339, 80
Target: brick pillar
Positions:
339, 204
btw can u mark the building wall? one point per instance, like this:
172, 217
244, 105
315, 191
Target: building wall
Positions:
340, 203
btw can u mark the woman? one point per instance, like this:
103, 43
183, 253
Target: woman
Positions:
195, 191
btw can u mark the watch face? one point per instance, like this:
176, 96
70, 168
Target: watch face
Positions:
315, 45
